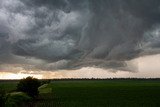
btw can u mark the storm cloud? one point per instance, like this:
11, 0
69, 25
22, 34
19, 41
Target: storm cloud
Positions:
70, 34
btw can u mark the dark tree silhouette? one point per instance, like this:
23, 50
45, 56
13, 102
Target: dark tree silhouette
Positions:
29, 85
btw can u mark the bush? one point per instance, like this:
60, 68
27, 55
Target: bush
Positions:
17, 99
2, 97
29, 86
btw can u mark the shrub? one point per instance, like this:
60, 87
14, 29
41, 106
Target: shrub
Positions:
17, 99
2, 97
29, 86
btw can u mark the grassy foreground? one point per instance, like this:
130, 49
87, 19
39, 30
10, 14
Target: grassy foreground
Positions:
99, 93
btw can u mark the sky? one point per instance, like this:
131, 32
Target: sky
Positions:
79, 39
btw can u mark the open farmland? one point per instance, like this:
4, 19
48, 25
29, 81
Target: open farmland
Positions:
98, 93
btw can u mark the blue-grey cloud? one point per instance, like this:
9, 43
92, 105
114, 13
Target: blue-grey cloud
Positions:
69, 34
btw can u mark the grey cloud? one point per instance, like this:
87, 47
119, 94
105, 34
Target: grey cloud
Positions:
69, 34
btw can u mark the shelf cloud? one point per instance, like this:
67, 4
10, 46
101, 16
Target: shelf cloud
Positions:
69, 34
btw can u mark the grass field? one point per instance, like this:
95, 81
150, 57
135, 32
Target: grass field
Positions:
8, 85
98, 93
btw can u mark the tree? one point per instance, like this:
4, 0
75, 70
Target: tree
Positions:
29, 86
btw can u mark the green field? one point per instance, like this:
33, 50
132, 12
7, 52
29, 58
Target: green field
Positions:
97, 93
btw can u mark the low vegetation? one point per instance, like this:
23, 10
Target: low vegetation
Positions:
2, 97
105, 93
99, 93
17, 99
45, 88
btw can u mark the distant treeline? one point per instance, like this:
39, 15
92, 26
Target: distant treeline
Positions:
69, 79
65, 79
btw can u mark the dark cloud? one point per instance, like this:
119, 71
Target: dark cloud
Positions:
69, 34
